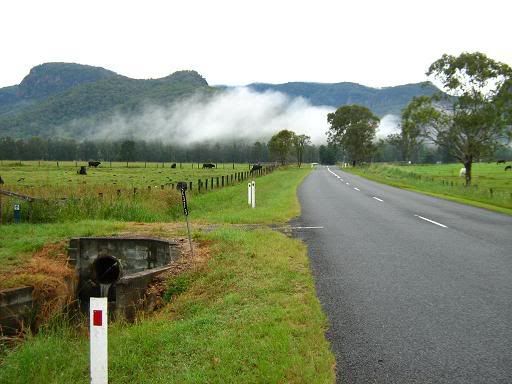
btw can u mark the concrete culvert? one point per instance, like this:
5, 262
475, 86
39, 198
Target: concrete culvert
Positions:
106, 270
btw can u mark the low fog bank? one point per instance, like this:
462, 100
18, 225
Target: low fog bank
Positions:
233, 115
388, 124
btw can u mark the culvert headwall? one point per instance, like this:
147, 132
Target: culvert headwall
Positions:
119, 267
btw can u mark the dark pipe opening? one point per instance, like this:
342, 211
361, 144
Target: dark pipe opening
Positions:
106, 270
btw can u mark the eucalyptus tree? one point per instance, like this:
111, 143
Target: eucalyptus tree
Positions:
473, 117
280, 144
353, 129
299, 143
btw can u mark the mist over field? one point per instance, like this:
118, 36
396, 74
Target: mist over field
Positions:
234, 114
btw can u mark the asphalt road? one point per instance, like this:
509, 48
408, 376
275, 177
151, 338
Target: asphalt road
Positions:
417, 289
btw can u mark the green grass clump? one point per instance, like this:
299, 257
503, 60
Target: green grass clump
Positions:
249, 316
18, 242
491, 186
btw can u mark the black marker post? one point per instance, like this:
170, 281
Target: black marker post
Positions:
183, 187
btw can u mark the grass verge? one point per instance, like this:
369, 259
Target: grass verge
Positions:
491, 189
249, 315
276, 200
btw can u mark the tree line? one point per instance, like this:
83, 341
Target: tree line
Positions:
37, 148
470, 121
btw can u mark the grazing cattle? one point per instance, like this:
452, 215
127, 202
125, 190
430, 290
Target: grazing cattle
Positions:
21, 179
501, 161
1, 180
462, 172
94, 163
173, 165
82, 171
256, 167
508, 168
208, 165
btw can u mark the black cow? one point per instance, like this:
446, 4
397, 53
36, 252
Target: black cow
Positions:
94, 163
82, 171
208, 165
508, 168
256, 167
1, 180
173, 165
501, 161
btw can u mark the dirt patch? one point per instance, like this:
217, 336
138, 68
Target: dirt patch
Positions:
50, 275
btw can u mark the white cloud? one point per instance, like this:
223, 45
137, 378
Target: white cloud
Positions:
235, 114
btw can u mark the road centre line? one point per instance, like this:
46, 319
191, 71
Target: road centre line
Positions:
347, 183
357, 189
431, 221
376, 198
307, 227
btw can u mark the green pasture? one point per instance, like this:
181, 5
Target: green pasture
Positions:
34, 174
491, 185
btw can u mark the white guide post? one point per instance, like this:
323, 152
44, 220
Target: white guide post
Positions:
99, 337
253, 194
249, 193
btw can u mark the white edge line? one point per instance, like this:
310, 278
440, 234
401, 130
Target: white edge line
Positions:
376, 198
431, 221
307, 227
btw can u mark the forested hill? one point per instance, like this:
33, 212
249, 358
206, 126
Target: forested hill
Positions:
382, 101
67, 100
53, 96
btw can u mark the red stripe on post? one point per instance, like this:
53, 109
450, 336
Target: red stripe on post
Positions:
97, 318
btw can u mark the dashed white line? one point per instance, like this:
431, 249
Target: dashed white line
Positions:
431, 221
376, 198
347, 183
307, 227
357, 189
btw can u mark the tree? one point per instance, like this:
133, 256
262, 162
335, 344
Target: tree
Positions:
327, 154
127, 150
410, 133
280, 144
300, 142
353, 128
473, 118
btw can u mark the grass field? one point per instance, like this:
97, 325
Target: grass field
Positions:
248, 314
140, 192
34, 174
491, 186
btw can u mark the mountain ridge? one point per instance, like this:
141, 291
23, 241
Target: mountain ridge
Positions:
53, 96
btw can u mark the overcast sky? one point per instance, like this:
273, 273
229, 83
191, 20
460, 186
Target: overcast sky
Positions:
376, 43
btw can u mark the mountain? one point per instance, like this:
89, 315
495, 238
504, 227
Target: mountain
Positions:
67, 100
54, 95
381, 101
